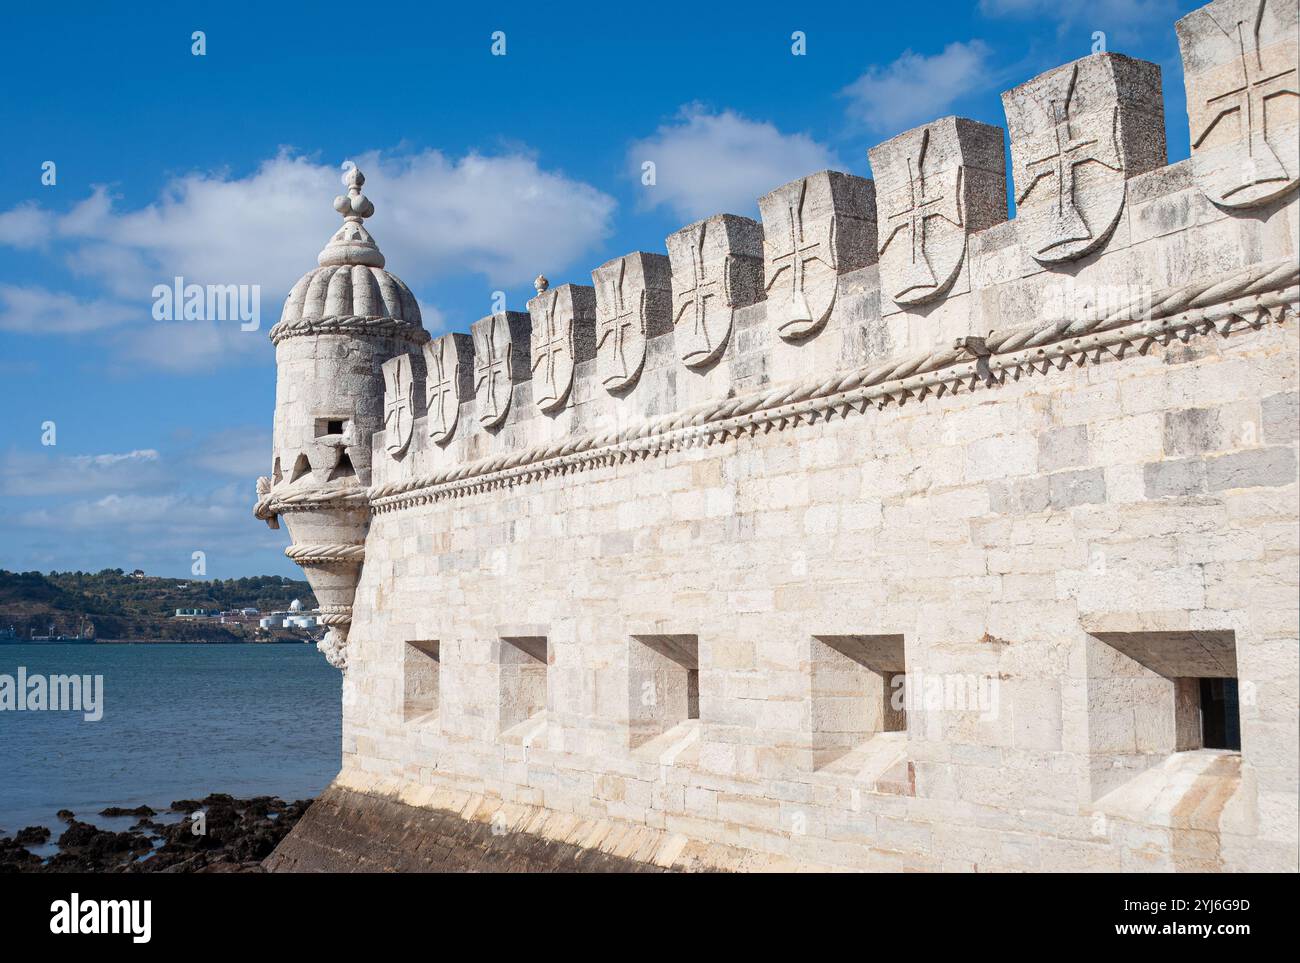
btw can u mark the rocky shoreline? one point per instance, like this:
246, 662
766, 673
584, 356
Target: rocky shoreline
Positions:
237, 835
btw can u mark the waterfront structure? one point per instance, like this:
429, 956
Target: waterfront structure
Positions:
887, 534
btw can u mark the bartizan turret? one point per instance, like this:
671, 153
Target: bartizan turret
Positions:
340, 323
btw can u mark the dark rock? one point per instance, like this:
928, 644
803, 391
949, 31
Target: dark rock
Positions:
119, 811
32, 835
15, 859
239, 834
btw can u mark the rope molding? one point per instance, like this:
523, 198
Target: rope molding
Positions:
270, 504
325, 554
1196, 308
349, 324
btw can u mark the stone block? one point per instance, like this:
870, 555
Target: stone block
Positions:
1239, 70
1078, 133
936, 185
563, 336
717, 267
815, 229
634, 303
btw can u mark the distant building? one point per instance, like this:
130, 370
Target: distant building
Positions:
191, 613
295, 605
248, 611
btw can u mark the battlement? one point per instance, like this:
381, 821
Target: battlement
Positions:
849, 282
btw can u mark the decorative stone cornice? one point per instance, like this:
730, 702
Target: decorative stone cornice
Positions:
350, 325
1249, 296
336, 554
277, 502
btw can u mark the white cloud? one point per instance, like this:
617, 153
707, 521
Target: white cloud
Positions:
46, 473
709, 163
503, 217
917, 88
435, 217
36, 310
100, 461
157, 532
25, 226
141, 508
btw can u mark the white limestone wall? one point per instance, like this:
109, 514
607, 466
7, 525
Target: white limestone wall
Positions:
999, 531
992, 530
1075, 539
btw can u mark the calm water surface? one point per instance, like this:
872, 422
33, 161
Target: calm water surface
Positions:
180, 721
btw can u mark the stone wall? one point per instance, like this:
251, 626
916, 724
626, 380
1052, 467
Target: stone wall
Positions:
872, 560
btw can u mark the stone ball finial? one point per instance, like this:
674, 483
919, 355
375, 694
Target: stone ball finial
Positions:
352, 243
354, 203
541, 284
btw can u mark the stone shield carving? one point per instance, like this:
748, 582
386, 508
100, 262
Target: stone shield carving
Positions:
814, 230
1239, 64
633, 304
935, 185
717, 267
1078, 133
563, 334
493, 356
448, 363
399, 404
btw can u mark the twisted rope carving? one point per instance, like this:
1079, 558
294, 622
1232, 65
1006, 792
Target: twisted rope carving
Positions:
270, 504
349, 324
1196, 301
325, 554
1257, 279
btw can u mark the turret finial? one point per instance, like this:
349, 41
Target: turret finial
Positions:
541, 284
354, 204
352, 243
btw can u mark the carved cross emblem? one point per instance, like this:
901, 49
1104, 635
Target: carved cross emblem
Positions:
1243, 99
716, 266
399, 404
926, 198
801, 247
616, 328
1062, 221
1246, 98
442, 391
552, 352
492, 386
702, 299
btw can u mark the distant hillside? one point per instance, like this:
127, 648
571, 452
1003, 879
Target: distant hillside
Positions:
122, 606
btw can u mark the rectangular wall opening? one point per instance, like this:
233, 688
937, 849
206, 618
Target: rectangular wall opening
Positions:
1154, 694
663, 685
420, 679
857, 684
1220, 718
522, 670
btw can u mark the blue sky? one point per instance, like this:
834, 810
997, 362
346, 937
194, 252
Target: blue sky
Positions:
484, 170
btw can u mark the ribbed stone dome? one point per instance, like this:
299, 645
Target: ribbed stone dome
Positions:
351, 281
351, 290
